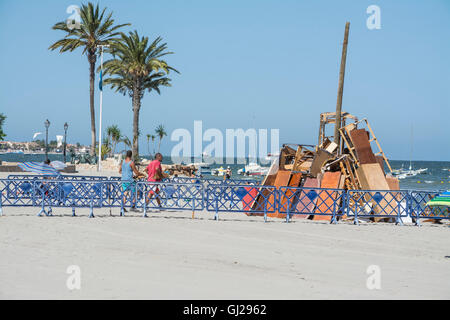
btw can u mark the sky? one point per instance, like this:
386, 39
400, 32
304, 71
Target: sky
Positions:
252, 63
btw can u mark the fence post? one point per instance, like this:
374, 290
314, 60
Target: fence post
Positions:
399, 220
122, 213
193, 206
287, 207
73, 212
265, 206
43, 205
333, 217
145, 203
1, 208
417, 223
216, 198
91, 213
110, 196
356, 211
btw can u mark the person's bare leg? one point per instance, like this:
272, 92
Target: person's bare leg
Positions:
150, 194
158, 199
125, 200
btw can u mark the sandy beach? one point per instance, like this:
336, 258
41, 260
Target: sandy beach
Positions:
172, 256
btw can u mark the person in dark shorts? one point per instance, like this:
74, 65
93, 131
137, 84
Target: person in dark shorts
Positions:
127, 169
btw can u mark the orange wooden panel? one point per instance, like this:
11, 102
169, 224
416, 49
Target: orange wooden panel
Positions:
304, 204
326, 199
294, 182
283, 179
360, 140
372, 178
393, 183
249, 198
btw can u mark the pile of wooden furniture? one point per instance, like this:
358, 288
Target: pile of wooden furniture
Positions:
350, 164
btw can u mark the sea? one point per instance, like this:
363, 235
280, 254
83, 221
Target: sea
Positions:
437, 176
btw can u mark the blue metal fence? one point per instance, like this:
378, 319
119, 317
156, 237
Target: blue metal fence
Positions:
61, 177
16, 193
216, 196
70, 194
378, 205
169, 195
241, 198
312, 202
419, 208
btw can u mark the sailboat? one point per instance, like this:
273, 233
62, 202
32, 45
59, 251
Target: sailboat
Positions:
402, 173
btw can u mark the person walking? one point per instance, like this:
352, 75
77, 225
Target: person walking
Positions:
127, 169
228, 173
154, 172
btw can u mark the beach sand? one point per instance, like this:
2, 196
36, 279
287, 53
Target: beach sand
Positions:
172, 256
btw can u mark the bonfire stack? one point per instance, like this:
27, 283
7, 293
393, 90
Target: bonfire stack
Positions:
353, 167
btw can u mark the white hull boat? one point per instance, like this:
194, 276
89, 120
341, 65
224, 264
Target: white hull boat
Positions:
253, 169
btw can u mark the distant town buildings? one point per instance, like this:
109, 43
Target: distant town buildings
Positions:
38, 146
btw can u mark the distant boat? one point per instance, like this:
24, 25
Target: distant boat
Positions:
409, 173
202, 164
403, 173
218, 171
253, 169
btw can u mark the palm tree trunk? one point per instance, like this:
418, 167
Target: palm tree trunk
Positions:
136, 109
92, 59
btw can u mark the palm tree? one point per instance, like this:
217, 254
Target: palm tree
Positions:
149, 136
137, 66
95, 29
2, 121
126, 142
153, 137
160, 132
114, 135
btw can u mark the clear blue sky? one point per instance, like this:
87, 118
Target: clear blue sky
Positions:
274, 61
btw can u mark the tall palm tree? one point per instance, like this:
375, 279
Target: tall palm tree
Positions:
137, 67
2, 121
161, 133
149, 136
153, 137
95, 29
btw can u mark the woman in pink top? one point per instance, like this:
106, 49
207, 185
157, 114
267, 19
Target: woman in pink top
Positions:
154, 172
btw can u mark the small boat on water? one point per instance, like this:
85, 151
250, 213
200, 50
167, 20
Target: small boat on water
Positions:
218, 171
403, 173
253, 169
202, 164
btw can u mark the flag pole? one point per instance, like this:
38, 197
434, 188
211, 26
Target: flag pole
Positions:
99, 167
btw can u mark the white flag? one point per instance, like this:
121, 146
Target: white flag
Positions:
59, 141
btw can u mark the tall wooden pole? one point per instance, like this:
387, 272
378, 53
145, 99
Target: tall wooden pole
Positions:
337, 136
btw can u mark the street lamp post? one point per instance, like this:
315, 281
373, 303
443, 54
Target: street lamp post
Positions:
47, 125
66, 126
101, 106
